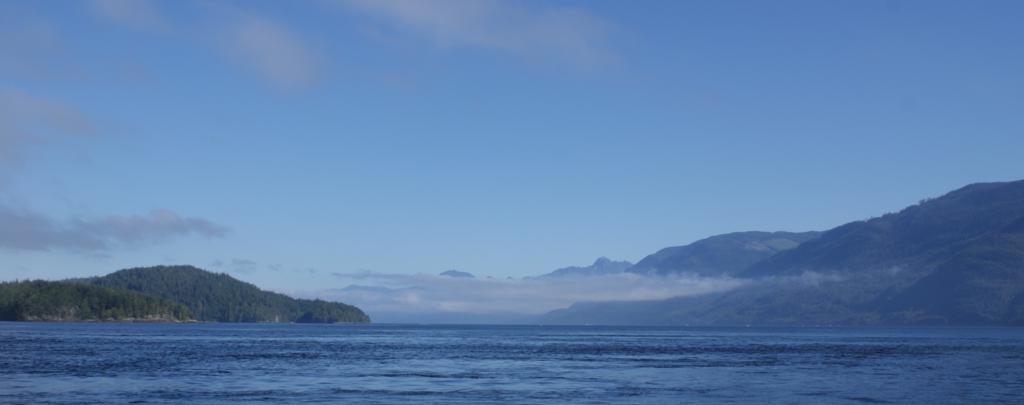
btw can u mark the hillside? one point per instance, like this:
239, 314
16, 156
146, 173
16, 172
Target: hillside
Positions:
983, 281
70, 301
222, 298
955, 259
921, 236
720, 255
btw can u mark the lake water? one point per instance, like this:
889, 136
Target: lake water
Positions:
398, 364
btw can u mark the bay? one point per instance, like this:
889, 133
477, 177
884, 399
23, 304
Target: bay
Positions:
209, 363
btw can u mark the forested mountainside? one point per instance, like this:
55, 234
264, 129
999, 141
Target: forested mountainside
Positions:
70, 301
720, 255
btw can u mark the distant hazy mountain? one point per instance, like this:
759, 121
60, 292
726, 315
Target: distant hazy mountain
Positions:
956, 259
457, 274
720, 255
602, 266
222, 298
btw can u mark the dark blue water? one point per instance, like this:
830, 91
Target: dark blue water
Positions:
391, 364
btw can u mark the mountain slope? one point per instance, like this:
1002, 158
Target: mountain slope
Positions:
956, 259
923, 235
222, 298
982, 282
720, 255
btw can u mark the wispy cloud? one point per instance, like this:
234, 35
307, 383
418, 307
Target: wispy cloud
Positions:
273, 51
136, 14
401, 293
27, 230
33, 49
237, 266
261, 44
248, 266
546, 32
27, 120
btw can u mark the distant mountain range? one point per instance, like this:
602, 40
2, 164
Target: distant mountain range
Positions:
601, 266
169, 293
718, 255
956, 259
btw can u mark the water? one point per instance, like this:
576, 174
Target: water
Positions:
398, 364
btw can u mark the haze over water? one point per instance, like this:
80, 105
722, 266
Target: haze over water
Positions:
260, 363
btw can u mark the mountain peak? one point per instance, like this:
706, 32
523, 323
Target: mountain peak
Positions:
601, 262
457, 274
602, 266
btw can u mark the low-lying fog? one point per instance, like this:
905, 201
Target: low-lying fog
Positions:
432, 298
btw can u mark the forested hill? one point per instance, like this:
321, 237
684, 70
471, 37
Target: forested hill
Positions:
70, 301
222, 298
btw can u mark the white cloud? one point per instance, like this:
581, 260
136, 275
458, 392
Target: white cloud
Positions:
546, 32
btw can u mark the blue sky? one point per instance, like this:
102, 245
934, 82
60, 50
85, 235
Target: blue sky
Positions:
284, 141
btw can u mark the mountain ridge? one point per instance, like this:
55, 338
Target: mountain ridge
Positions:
955, 259
601, 266
720, 255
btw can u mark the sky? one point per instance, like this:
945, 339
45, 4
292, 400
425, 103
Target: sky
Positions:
293, 143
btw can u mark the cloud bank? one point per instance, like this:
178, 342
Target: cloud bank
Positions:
27, 230
421, 293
